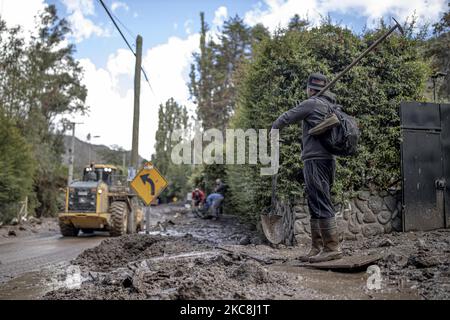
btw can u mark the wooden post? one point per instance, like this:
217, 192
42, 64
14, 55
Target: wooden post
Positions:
148, 212
135, 142
137, 93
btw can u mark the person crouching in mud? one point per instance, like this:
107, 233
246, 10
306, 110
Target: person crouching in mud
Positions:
213, 204
319, 170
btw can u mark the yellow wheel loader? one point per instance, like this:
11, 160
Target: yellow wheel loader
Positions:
100, 202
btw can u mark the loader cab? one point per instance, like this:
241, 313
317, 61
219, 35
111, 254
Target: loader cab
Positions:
104, 173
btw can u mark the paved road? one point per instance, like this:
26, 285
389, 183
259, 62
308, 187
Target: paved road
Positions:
22, 259
29, 264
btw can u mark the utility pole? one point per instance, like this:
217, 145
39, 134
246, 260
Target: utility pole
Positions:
137, 93
71, 152
135, 143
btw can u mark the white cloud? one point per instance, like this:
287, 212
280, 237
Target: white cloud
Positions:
117, 5
120, 63
111, 103
188, 26
17, 13
82, 26
220, 16
427, 10
277, 13
110, 114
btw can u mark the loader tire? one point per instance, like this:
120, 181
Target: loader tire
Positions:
68, 230
119, 218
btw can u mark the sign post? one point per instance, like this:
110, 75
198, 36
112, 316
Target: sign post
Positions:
148, 185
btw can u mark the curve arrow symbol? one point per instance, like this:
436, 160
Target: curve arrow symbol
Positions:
145, 179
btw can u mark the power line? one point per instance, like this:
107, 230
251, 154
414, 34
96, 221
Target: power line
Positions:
130, 33
124, 39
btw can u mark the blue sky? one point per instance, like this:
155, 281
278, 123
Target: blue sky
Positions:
170, 31
155, 20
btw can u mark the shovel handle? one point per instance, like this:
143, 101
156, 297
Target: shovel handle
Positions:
362, 55
274, 192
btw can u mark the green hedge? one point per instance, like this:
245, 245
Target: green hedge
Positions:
275, 79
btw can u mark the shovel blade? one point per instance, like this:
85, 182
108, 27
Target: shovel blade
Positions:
273, 228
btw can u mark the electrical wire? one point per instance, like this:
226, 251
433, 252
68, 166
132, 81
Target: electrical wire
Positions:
110, 15
130, 33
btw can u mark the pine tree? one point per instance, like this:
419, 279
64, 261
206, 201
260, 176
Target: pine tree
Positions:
202, 78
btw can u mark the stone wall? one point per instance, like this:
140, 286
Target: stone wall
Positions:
367, 215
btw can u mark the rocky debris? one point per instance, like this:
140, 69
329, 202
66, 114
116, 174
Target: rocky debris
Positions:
205, 277
245, 240
387, 243
371, 230
423, 261
30, 227
415, 260
193, 266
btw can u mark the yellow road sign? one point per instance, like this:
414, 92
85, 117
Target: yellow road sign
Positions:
149, 183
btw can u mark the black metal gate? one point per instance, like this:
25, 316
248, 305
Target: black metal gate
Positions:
425, 165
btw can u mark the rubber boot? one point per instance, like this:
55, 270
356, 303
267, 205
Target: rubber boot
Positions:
331, 245
316, 242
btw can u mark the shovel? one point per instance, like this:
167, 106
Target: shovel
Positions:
272, 223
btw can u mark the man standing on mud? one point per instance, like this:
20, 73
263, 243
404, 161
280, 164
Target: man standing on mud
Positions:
319, 169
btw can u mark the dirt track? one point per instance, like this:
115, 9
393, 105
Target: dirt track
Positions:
188, 258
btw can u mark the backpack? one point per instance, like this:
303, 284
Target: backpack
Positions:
341, 140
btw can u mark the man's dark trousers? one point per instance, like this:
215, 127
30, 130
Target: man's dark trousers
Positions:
319, 179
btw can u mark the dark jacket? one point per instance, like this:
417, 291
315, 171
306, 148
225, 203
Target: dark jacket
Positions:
311, 112
221, 189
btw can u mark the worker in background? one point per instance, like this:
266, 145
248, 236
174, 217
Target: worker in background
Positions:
92, 175
220, 188
213, 204
198, 197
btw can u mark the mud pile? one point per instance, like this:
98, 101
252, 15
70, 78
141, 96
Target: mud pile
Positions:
189, 269
197, 259
119, 252
416, 260
44, 226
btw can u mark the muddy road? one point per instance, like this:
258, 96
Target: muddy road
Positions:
30, 254
185, 257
